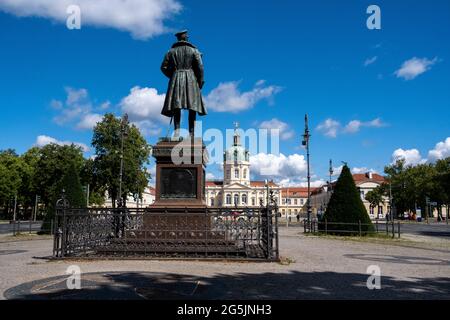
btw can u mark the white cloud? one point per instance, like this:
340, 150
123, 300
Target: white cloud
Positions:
142, 18
43, 140
440, 151
355, 125
77, 109
226, 97
295, 183
144, 106
285, 131
413, 67
278, 168
369, 61
329, 127
411, 156
362, 170
210, 176
89, 121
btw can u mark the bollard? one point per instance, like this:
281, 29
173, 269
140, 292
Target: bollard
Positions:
398, 228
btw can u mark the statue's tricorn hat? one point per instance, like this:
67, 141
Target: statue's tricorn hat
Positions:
179, 33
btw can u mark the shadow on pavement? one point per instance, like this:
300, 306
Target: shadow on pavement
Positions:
291, 285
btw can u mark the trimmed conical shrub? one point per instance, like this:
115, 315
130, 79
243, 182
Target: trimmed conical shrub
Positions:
345, 213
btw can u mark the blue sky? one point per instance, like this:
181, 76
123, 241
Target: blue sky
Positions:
369, 94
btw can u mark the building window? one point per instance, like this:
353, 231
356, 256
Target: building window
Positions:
253, 202
236, 173
284, 201
244, 199
212, 202
235, 155
380, 210
302, 201
236, 199
371, 210
245, 174
228, 174
228, 198
295, 201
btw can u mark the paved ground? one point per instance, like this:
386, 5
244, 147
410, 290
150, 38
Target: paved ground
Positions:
319, 268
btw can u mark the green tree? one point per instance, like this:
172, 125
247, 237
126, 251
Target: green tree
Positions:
346, 206
88, 178
27, 190
442, 184
106, 168
54, 161
11, 173
375, 197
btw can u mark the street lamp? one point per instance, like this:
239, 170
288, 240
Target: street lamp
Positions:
330, 170
305, 143
124, 133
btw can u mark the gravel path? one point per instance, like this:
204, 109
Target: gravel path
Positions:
314, 267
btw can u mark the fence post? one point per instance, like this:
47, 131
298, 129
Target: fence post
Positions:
51, 227
376, 225
30, 226
18, 227
359, 225
393, 229
326, 227
14, 228
387, 228
398, 228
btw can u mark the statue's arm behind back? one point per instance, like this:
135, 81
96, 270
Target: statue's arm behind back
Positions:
165, 66
198, 68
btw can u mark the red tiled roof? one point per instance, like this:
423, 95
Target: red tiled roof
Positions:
262, 184
364, 177
214, 183
301, 192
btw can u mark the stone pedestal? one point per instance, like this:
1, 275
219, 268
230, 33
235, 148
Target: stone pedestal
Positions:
180, 173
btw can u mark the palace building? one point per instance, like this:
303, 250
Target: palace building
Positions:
237, 189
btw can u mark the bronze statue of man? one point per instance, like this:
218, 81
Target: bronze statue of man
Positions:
183, 65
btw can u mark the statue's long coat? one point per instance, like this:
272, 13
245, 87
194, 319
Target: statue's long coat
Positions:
183, 65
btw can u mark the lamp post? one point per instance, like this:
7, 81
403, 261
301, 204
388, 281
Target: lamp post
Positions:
330, 170
123, 130
305, 143
15, 207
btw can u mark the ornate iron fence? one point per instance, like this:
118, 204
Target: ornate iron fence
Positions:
241, 233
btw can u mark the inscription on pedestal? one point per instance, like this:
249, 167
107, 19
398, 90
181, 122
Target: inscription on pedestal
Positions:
178, 183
